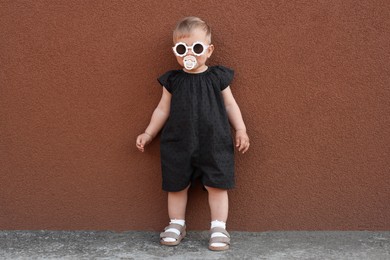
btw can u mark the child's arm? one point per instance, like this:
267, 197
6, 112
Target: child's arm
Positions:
235, 118
159, 117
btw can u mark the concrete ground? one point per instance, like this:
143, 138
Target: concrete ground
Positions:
144, 245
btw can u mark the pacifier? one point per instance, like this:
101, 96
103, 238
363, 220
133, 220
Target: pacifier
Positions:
189, 62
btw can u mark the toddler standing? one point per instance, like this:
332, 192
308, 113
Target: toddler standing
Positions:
195, 112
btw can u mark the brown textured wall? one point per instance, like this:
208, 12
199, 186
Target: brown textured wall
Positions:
78, 84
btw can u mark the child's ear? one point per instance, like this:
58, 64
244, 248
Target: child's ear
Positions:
210, 50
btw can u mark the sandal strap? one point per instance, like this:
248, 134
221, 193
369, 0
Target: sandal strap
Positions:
175, 226
173, 235
169, 235
219, 230
225, 240
219, 239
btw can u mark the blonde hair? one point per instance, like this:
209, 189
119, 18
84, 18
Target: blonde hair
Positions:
186, 25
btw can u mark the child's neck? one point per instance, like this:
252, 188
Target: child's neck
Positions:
198, 70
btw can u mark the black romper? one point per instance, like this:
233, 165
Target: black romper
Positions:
196, 140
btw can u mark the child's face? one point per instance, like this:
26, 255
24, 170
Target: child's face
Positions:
197, 35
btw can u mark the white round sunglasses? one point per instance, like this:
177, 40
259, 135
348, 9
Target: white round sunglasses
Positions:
198, 48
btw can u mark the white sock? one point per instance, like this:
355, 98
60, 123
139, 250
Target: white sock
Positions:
221, 224
174, 230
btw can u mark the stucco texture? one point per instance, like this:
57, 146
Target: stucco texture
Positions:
78, 84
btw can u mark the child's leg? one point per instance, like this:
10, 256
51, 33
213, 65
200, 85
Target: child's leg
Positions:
219, 203
177, 202
219, 207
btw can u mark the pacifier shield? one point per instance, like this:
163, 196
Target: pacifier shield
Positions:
189, 62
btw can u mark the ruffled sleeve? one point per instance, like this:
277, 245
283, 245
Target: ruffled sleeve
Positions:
225, 76
166, 80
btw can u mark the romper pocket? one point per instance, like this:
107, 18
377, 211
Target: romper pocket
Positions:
171, 134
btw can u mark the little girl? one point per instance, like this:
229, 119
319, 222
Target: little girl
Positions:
194, 111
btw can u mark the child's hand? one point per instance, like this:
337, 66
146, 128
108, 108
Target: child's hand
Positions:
142, 141
242, 141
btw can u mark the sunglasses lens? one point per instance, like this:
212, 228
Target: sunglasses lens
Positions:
198, 48
181, 49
